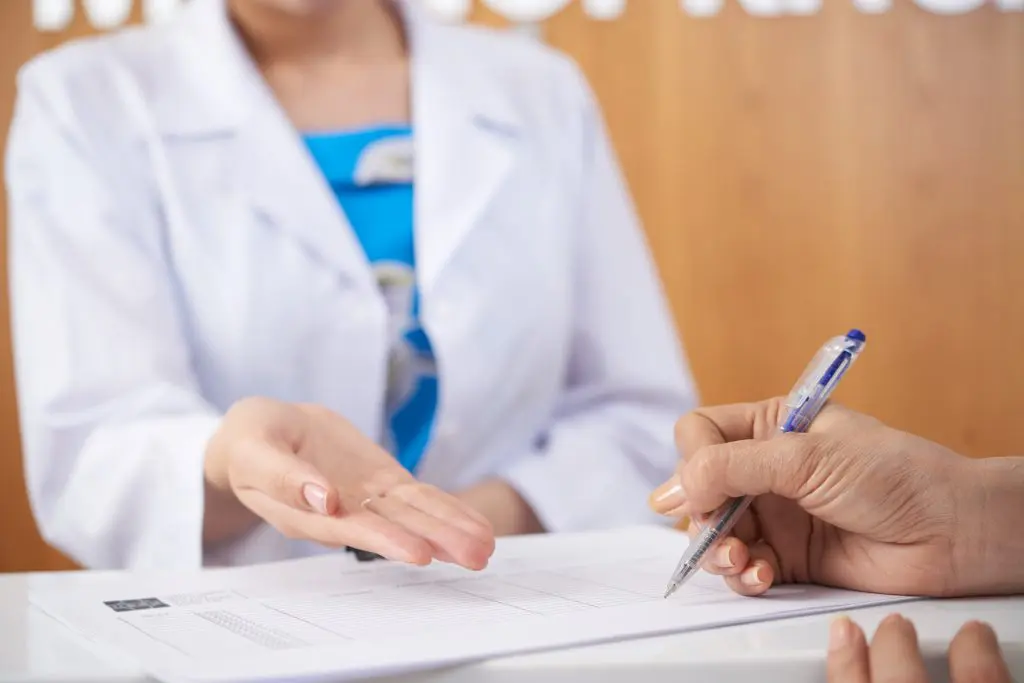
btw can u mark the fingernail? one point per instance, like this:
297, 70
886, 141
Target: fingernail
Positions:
316, 496
668, 497
894, 618
723, 557
753, 577
840, 634
985, 629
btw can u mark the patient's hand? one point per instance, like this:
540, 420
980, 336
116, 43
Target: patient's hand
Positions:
853, 503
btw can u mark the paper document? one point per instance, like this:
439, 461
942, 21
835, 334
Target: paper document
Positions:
330, 617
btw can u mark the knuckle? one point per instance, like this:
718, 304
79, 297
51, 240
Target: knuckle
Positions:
403, 491
484, 529
314, 410
287, 489
421, 488
774, 410
815, 448
388, 480
763, 418
234, 474
410, 491
250, 407
803, 462
677, 433
701, 472
684, 426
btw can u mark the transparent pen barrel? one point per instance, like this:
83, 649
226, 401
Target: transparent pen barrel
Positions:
719, 525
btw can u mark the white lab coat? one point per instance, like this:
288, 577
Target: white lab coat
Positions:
174, 249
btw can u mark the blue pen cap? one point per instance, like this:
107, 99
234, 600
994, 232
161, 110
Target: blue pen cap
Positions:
854, 342
856, 335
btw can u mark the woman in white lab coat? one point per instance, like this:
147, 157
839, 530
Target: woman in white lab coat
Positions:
229, 347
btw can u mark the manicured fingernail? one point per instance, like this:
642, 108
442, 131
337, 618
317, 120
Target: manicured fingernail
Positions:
753, 577
668, 497
723, 557
316, 496
840, 634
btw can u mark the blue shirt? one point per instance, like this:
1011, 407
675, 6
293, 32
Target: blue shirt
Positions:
369, 171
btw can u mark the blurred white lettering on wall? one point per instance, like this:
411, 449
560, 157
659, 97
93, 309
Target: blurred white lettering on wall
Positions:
773, 8
538, 10
57, 15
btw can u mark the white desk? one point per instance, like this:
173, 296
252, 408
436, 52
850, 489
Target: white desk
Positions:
34, 648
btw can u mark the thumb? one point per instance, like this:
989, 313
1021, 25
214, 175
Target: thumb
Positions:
787, 465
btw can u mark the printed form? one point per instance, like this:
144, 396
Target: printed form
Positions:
331, 617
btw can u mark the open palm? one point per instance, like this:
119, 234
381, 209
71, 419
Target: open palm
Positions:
312, 475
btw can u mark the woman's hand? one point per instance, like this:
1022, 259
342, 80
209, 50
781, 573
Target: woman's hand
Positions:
310, 474
895, 657
853, 504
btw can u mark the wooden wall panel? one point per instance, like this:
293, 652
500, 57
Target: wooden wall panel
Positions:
20, 547
796, 176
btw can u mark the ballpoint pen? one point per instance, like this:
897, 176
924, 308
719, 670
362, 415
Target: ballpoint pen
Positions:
804, 402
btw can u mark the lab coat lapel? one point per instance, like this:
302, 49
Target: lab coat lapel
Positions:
283, 184
466, 134
466, 137
233, 108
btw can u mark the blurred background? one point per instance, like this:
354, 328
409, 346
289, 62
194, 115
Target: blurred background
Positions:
797, 175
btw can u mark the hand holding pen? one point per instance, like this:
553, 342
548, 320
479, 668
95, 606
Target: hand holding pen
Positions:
805, 401
852, 503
